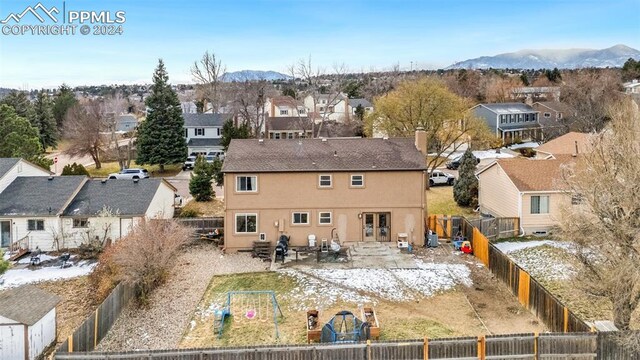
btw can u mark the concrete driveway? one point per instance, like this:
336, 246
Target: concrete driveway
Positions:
181, 182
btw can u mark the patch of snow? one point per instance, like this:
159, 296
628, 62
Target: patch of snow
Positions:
320, 288
491, 154
530, 144
17, 277
509, 247
43, 257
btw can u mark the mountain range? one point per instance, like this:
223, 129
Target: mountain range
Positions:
252, 75
614, 56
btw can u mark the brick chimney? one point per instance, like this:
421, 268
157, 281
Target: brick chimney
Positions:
421, 140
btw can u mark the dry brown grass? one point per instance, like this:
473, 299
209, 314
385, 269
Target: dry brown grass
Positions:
214, 207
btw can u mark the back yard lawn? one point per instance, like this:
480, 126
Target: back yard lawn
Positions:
440, 201
154, 170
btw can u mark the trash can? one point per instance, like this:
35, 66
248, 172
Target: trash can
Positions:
432, 240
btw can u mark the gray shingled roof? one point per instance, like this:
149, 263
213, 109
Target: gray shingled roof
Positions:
26, 304
338, 154
288, 123
364, 102
38, 195
124, 197
6, 164
202, 120
204, 142
509, 108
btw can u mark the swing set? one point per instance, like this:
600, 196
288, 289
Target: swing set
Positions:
248, 306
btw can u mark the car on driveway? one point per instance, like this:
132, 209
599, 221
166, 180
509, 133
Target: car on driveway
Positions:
189, 163
437, 177
455, 163
129, 174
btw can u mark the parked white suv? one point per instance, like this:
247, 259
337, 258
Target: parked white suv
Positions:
437, 177
130, 174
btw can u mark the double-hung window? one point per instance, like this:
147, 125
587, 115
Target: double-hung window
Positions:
325, 181
246, 183
357, 180
300, 218
540, 204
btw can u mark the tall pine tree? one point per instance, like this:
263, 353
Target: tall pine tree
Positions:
465, 190
161, 135
64, 100
44, 120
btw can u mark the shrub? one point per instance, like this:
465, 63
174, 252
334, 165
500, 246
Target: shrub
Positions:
105, 276
189, 213
465, 190
200, 183
74, 169
527, 152
145, 256
4, 264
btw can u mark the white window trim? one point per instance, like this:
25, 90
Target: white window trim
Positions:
235, 223
351, 181
293, 216
246, 191
44, 224
325, 186
73, 223
320, 218
548, 210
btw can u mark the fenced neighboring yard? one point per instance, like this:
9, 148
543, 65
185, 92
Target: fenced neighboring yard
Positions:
202, 225
95, 327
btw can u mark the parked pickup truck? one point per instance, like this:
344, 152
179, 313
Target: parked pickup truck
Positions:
437, 177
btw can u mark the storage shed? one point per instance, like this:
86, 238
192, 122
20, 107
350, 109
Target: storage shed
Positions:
27, 322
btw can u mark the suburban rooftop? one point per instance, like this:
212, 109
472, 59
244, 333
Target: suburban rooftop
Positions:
509, 108
203, 120
334, 154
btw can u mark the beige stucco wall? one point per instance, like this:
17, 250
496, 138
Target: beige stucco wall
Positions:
399, 193
543, 222
496, 193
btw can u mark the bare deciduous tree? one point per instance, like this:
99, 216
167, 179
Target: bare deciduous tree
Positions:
114, 106
145, 256
606, 222
248, 102
207, 74
318, 83
83, 126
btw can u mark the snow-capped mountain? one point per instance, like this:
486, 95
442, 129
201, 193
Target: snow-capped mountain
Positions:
251, 75
614, 56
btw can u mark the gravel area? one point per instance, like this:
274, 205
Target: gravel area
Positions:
161, 325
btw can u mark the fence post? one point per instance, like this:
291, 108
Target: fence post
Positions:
566, 319
95, 328
70, 343
481, 347
535, 346
426, 349
368, 349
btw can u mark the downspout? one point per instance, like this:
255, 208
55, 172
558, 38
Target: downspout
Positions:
520, 214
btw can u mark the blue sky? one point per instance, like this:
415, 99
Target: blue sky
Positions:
272, 34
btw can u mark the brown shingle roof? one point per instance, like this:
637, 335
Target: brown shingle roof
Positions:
26, 304
565, 144
336, 154
288, 123
285, 101
536, 175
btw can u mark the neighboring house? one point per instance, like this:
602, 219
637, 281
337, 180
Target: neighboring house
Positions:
284, 106
11, 168
346, 189
529, 189
531, 94
510, 121
354, 103
632, 87
188, 107
65, 211
27, 322
95, 211
572, 143
292, 127
126, 123
327, 106
552, 111
203, 132
32, 206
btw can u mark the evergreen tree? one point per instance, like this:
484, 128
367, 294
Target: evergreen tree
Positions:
218, 176
465, 190
230, 131
45, 121
631, 70
64, 100
161, 136
360, 112
19, 137
200, 183
20, 103
289, 92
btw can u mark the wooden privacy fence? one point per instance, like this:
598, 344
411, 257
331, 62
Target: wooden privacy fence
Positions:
202, 225
514, 346
530, 293
95, 327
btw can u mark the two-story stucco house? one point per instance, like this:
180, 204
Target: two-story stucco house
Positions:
529, 189
203, 132
284, 106
510, 121
346, 189
327, 106
292, 127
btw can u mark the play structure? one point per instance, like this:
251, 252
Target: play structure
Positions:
248, 306
344, 327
